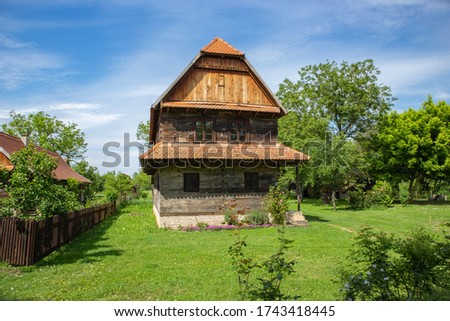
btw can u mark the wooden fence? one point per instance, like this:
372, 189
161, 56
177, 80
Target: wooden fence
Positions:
24, 242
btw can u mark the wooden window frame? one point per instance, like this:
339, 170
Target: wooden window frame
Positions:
213, 132
251, 182
191, 182
245, 123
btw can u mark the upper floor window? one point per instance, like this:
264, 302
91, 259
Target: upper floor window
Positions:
203, 131
238, 130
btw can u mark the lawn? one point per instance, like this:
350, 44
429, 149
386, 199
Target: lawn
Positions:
127, 258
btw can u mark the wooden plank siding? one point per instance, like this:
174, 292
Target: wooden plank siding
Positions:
24, 242
177, 125
219, 85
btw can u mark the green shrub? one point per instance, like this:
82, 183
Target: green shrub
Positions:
357, 199
381, 194
257, 217
382, 267
276, 204
403, 193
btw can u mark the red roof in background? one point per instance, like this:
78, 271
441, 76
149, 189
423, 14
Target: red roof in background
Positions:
63, 171
210, 151
220, 46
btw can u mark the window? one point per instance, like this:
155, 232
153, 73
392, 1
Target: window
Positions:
203, 131
251, 182
191, 182
238, 130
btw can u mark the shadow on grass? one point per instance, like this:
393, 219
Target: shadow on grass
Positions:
312, 218
86, 248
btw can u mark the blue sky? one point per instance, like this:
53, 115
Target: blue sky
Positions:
101, 64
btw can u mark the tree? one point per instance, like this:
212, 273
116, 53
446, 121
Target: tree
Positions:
414, 145
347, 97
91, 173
117, 185
48, 132
32, 188
143, 130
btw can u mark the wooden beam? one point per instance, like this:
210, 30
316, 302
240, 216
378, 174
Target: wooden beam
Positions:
297, 186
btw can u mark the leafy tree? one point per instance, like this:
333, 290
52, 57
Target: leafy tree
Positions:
346, 97
143, 130
336, 164
117, 185
49, 132
91, 173
414, 145
32, 188
332, 109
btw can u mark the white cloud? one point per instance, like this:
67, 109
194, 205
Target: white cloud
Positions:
73, 106
403, 73
9, 42
88, 120
17, 68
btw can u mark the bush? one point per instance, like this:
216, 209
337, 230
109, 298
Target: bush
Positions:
257, 217
381, 194
382, 267
273, 270
276, 204
403, 193
357, 199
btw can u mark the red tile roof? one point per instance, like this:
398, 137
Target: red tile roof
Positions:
11, 144
221, 106
220, 46
212, 151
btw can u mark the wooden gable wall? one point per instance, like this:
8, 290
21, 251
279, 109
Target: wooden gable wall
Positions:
220, 79
5, 162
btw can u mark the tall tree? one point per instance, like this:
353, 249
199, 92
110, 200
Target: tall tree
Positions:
49, 132
415, 144
347, 97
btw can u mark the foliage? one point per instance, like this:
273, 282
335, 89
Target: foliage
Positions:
233, 215
48, 132
91, 173
380, 194
32, 188
143, 130
403, 193
347, 96
383, 267
257, 217
266, 287
357, 199
141, 182
276, 204
414, 146
117, 185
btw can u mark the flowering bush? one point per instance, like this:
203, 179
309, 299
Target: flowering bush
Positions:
276, 204
381, 194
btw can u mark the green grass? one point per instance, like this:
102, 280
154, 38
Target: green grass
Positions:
128, 258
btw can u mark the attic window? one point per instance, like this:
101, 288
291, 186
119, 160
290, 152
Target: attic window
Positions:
203, 131
238, 130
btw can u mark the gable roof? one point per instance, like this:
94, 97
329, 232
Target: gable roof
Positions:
10, 144
221, 47
218, 48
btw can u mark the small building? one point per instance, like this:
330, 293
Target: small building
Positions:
214, 138
10, 144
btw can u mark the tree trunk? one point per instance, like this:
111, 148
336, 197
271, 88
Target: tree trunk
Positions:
411, 186
333, 199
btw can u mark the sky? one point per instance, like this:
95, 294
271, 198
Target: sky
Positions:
101, 64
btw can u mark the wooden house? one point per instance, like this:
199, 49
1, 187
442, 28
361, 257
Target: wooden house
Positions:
214, 136
10, 144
